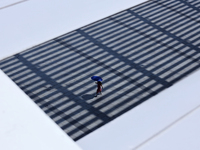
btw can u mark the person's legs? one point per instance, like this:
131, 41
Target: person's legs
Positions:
96, 93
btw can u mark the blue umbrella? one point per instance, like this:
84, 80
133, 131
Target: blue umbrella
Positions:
96, 78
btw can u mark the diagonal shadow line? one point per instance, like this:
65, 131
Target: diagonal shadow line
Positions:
188, 4
164, 31
192, 28
66, 117
58, 50
175, 51
160, 42
38, 60
60, 120
37, 51
154, 12
197, 32
73, 68
125, 101
144, 5
129, 36
111, 34
167, 61
53, 101
89, 122
171, 20
150, 6
109, 79
179, 12
150, 40
181, 69
58, 61
166, 16
108, 27
96, 61
180, 62
63, 90
86, 133
65, 126
134, 65
25, 78
38, 81
185, 74
66, 76
20, 74
146, 43
6, 63
130, 90
170, 47
110, 85
175, 20
69, 119
197, 5
177, 7
83, 70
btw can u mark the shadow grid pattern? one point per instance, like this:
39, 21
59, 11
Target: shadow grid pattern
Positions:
138, 52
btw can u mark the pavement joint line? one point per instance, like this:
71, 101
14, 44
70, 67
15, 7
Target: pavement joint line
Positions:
120, 74
80, 102
12, 4
167, 127
164, 31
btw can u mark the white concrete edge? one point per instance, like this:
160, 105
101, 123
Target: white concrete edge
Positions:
24, 125
37, 21
146, 121
183, 135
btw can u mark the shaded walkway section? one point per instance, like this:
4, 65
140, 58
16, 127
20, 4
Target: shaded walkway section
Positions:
138, 52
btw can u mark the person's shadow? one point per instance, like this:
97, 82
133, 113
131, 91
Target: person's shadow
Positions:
87, 96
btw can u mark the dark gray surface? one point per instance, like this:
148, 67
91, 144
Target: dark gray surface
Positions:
138, 52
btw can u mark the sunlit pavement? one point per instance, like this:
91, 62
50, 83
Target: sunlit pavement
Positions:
138, 52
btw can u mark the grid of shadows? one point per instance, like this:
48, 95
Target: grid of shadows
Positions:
138, 52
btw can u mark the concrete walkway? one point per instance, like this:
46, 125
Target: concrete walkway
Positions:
138, 52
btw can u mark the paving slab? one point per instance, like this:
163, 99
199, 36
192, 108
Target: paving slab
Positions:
138, 52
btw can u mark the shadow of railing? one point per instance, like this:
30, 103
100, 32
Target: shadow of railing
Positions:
137, 53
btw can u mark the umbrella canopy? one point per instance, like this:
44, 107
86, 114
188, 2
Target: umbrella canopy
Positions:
96, 78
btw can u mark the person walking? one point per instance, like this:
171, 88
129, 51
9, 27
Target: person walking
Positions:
99, 88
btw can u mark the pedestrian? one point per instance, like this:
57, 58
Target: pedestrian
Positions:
99, 88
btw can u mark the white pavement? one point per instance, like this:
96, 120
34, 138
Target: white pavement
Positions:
34, 21
24, 126
157, 124
165, 121
23, 25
